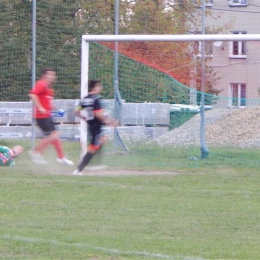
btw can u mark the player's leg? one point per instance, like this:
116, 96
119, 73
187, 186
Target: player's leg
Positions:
50, 134
96, 144
51, 138
56, 142
46, 128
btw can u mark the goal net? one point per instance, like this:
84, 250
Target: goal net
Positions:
159, 115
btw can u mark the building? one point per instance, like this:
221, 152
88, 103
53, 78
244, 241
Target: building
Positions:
237, 63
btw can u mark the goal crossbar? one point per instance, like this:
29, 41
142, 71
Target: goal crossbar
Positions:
176, 37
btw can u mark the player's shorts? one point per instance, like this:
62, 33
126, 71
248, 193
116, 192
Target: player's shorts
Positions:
46, 124
98, 139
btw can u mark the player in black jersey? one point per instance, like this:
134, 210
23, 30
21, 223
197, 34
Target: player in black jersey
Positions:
95, 117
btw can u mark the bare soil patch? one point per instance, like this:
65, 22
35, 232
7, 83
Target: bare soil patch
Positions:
120, 172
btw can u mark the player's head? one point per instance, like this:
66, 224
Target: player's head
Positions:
94, 86
49, 75
17, 150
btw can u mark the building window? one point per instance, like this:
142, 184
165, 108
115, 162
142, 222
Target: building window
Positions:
237, 2
238, 48
238, 94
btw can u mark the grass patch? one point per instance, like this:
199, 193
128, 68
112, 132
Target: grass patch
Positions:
155, 158
211, 211
173, 217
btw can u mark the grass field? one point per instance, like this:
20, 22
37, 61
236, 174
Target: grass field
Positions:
210, 210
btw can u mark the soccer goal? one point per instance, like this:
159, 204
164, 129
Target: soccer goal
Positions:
179, 96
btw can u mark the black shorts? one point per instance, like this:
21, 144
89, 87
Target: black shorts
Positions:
96, 136
46, 124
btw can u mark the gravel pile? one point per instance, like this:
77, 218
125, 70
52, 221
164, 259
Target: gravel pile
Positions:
224, 127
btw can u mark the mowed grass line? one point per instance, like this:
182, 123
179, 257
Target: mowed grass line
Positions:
201, 216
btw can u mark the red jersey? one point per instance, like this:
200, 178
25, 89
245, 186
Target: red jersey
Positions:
45, 95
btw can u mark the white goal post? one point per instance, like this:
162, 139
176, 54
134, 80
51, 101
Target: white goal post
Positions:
156, 38
172, 38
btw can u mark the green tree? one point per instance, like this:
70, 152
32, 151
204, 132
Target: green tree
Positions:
15, 48
60, 25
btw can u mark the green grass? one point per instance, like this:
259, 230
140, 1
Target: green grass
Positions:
210, 211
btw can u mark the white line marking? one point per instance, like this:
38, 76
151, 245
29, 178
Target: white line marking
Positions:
102, 249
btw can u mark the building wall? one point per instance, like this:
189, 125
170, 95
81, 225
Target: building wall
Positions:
237, 70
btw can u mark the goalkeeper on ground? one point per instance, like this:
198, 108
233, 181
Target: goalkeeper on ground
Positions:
95, 117
7, 155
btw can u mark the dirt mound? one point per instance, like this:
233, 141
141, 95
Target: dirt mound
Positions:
224, 127
240, 128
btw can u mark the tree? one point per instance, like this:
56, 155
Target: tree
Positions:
60, 25
15, 48
166, 17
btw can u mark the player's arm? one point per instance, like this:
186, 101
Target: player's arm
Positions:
99, 114
37, 102
4, 149
77, 113
3, 159
77, 109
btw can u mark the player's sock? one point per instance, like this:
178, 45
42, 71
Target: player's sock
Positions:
58, 147
86, 159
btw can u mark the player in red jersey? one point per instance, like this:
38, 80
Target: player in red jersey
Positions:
42, 95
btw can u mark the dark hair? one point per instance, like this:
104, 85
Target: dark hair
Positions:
92, 83
45, 70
